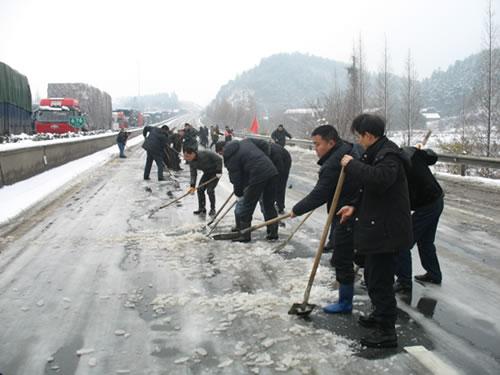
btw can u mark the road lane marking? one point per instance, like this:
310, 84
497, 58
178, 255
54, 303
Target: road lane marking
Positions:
430, 360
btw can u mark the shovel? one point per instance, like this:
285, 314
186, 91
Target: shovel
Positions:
220, 209
234, 235
278, 248
182, 196
222, 217
305, 308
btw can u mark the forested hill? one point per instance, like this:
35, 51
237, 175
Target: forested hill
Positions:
296, 80
448, 91
285, 81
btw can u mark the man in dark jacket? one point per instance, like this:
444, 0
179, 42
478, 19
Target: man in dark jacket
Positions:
426, 198
203, 134
121, 141
382, 223
283, 162
171, 154
189, 139
330, 149
214, 135
279, 135
154, 144
253, 175
211, 165
228, 134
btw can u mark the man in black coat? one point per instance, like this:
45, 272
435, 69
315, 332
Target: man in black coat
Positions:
189, 138
283, 162
214, 135
154, 144
382, 223
253, 175
121, 141
211, 165
330, 150
203, 134
426, 199
279, 135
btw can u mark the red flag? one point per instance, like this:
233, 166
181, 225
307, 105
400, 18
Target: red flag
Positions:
255, 126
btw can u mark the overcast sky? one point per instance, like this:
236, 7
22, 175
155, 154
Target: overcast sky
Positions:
193, 47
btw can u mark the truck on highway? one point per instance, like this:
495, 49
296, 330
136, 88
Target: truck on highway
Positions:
87, 107
59, 115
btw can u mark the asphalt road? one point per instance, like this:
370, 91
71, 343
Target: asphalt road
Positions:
91, 284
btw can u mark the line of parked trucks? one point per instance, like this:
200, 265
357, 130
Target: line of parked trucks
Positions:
70, 107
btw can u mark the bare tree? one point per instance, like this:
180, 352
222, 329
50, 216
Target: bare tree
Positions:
410, 97
352, 95
335, 109
488, 87
362, 76
384, 87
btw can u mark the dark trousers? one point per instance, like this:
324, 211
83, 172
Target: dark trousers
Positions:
281, 191
244, 210
121, 147
343, 253
209, 188
379, 277
214, 141
424, 221
149, 162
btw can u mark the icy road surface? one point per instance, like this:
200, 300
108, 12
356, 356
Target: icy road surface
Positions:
91, 284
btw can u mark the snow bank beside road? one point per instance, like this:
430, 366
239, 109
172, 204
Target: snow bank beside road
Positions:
17, 198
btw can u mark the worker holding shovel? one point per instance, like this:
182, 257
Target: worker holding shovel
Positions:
382, 223
253, 175
211, 165
330, 149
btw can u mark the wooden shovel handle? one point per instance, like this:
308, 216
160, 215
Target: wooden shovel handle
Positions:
186, 194
265, 223
326, 228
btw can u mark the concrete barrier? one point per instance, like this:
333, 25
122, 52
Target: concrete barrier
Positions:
22, 163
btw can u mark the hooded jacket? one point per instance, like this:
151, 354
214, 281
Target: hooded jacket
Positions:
155, 140
279, 155
423, 186
382, 222
247, 165
328, 177
208, 162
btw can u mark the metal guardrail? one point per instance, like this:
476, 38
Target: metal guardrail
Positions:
477, 161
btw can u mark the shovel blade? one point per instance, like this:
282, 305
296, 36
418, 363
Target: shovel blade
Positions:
226, 236
301, 309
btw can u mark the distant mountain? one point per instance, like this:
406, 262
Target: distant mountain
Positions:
447, 91
285, 81
296, 80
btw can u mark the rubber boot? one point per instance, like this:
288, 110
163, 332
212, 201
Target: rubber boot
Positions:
272, 232
201, 204
237, 226
211, 198
244, 237
383, 336
344, 305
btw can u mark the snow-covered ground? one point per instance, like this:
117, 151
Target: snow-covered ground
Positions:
92, 283
25, 140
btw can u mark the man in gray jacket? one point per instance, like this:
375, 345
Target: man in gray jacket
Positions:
211, 165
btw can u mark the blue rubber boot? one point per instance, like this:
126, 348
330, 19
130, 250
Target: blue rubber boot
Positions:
344, 305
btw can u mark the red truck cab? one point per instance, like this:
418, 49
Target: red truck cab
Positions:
59, 115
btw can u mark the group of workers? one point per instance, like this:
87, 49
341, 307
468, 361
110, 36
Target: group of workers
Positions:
389, 202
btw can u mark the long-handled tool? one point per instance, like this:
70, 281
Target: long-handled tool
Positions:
220, 209
305, 308
281, 246
234, 235
222, 217
182, 196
